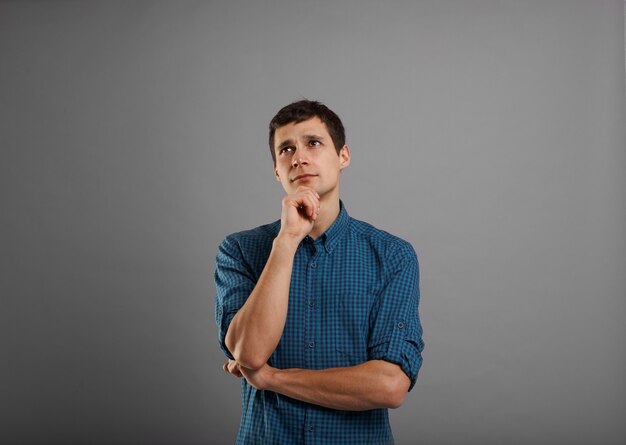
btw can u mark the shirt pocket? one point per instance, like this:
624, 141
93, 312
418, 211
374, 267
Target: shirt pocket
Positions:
351, 328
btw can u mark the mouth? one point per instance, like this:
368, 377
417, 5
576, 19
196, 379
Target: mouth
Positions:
303, 177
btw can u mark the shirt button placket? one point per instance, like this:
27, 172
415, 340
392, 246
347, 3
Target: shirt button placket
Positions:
310, 326
310, 317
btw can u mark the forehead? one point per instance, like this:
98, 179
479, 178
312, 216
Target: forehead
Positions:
294, 131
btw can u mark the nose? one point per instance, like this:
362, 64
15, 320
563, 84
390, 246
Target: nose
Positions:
299, 159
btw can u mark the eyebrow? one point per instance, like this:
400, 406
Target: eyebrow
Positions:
284, 143
310, 137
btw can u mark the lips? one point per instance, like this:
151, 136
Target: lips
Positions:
303, 176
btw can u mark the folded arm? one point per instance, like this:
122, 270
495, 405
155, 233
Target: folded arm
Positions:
257, 327
370, 385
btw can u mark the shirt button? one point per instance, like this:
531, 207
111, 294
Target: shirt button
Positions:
311, 344
310, 428
311, 303
400, 325
313, 265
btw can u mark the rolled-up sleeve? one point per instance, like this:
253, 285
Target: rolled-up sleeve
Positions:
396, 333
233, 283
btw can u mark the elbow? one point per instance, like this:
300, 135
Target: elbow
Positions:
395, 396
396, 388
245, 354
396, 401
248, 360
393, 384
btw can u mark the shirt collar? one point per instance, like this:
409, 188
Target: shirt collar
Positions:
331, 237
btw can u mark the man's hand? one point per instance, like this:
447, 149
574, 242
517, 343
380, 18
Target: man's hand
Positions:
258, 378
299, 212
232, 367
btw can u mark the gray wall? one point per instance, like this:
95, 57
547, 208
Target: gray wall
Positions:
488, 133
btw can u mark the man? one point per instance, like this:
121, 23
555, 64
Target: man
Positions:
318, 311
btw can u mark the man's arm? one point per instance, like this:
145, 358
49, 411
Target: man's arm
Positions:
255, 330
370, 385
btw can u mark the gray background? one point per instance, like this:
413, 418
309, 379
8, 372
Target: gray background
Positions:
489, 133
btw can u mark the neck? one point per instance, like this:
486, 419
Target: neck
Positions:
329, 211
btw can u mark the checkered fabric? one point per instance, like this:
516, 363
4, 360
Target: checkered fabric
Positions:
353, 297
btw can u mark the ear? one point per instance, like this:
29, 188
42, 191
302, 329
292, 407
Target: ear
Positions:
276, 173
344, 157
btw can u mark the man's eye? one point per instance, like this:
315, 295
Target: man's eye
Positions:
314, 142
285, 150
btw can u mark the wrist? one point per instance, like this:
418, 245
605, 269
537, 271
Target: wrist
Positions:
286, 241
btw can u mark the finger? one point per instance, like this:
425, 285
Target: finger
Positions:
307, 205
305, 201
304, 188
301, 201
234, 368
309, 191
311, 204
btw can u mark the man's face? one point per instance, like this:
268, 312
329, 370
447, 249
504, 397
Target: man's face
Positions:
306, 156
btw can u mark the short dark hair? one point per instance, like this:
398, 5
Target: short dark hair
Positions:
305, 109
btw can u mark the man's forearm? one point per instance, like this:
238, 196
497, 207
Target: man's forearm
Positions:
256, 329
370, 385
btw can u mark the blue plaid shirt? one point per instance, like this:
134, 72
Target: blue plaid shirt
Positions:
353, 297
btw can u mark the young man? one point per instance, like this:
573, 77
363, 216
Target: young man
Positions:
318, 312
